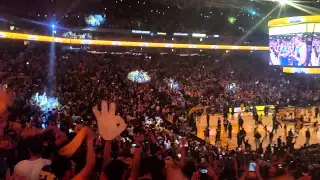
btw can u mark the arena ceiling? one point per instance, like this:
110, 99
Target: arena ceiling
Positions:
298, 7
292, 6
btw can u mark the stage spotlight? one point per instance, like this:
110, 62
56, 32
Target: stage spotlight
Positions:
52, 25
283, 2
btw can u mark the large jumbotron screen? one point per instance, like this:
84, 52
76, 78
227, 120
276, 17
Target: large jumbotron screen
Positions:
294, 44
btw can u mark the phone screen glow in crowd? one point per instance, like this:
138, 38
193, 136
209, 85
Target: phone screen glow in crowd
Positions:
295, 42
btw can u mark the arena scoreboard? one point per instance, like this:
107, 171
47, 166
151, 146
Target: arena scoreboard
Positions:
294, 44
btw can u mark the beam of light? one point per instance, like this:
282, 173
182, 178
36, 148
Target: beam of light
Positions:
283, 2
279, 14
52, 58
18, 19
303, 8
3, 20
316, 10
72, 6
255, 26
234, 5
42, 23
35, 22
52, 68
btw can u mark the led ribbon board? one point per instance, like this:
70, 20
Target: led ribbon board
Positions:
31, 37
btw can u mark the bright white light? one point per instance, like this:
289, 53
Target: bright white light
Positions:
52, 25
283, 2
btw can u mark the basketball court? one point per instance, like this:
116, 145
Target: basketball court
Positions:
249, 125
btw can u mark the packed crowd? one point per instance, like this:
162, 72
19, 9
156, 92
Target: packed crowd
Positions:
150, 147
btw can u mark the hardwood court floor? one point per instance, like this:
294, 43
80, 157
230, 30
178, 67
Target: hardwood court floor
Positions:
249, 126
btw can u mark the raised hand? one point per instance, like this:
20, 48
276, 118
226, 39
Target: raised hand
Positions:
90, 134
138, 139
110, 125
4, 101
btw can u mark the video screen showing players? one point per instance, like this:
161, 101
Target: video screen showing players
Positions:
294, 46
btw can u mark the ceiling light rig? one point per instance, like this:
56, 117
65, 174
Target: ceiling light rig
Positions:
283, 2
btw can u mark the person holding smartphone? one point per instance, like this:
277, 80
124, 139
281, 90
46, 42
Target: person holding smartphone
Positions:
209, 172
252, 171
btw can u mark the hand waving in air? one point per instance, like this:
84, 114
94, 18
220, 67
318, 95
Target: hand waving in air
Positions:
110, 125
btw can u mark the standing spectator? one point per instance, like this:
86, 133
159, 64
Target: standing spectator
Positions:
308, 137
208, 120
316, 112
271, 137
230, 131
218, 135
240, 122
30, 169
257, 137
279, 141
225, 124
63, 167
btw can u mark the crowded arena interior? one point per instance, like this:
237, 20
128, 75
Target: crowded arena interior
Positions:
155, 90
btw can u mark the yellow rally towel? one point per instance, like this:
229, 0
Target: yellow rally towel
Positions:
69, 149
